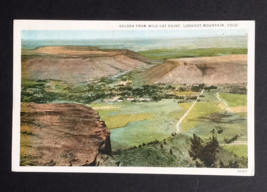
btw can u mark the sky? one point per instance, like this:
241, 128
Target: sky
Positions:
131, 34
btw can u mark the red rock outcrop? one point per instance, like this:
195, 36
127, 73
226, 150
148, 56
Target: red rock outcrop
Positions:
61, 135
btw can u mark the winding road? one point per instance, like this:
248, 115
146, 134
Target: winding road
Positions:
181, 120
218, 97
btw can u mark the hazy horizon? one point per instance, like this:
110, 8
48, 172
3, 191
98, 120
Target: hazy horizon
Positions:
145, 43
135, 38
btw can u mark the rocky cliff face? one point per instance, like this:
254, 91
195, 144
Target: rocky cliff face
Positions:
62, 135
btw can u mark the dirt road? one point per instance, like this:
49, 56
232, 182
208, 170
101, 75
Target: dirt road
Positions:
236, 143
226, 105
187, 112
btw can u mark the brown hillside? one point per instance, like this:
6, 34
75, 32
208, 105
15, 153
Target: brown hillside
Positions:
78, 64
229, 69
61, 135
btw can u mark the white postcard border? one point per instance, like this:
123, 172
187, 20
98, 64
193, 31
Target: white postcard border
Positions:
20, 25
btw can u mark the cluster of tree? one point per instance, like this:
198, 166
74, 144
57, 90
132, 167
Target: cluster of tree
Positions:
231, 139
43, 96
210, 87
39, 92
81, 89
153, 142
204, 153
151, 91
146, 144
238, 90
106, 80
219, 130
38, 96
169, 87
146, 90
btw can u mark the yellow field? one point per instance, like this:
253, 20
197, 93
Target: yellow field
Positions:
122, 120
239, 150
185, 106
183, 93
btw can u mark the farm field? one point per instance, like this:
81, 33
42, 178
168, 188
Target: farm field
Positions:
234, 100
133, 124
199, 110
139, 122
122, 120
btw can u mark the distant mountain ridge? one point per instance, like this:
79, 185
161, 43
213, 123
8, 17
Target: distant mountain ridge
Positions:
144, 44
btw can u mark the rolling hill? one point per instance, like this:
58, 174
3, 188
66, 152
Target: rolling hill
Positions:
78, 64
230, 69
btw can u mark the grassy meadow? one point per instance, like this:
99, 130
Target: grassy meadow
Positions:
239, 150
234, 100
132, 124
162, 54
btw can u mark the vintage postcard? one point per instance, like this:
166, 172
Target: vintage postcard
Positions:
157, 97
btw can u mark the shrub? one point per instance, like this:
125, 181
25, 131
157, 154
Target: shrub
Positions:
164, 142
231, 139
219, 130
231, 164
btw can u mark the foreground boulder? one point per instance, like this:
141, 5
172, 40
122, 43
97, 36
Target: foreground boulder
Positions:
61, 135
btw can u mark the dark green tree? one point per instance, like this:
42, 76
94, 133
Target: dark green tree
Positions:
206, 152
196, 147
209, 151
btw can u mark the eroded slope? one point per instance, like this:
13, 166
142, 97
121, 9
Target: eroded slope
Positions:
78, 64
231, 69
